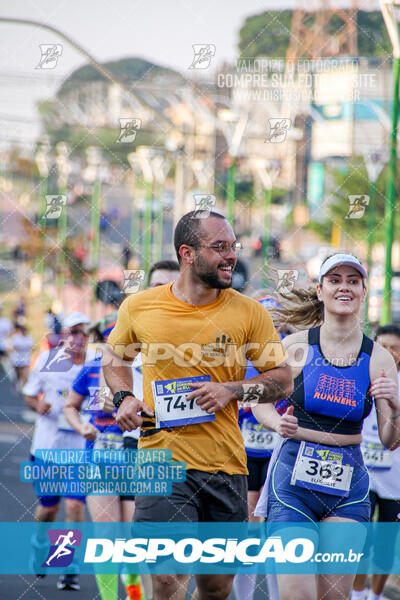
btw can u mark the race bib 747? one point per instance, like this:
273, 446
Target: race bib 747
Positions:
171, 407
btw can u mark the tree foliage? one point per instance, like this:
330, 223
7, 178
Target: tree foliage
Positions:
354, 181
268, 34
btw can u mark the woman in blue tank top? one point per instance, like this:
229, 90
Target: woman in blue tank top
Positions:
318, 473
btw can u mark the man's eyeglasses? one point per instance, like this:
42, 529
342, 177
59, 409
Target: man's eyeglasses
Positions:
223, 248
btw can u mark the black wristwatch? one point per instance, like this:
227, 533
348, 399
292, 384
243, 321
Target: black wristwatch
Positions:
119, 397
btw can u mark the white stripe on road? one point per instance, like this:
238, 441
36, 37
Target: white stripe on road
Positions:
9, 438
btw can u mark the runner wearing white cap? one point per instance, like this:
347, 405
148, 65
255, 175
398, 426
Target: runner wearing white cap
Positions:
45, 393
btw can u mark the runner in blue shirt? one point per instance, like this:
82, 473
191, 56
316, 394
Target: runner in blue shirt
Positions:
101, 432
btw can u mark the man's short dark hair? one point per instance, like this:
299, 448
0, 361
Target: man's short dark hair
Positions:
391, 329
165, 265
187, 230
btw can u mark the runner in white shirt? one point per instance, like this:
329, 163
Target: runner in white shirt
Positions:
45, 393
21, 345
384, 471
6, 328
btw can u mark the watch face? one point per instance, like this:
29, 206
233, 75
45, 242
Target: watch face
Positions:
119, 396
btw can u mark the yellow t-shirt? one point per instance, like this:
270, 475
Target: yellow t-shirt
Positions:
181, 340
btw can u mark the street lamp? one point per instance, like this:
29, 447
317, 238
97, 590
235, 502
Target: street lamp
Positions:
203, 171
63, 170
143, 157
134, 225
391, 14
373, 163
266, 170
91, 174
43, 165
161, 166
233, 127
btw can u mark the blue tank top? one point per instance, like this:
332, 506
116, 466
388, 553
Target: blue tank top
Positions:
332, 399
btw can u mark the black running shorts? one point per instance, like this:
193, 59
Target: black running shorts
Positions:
203, 497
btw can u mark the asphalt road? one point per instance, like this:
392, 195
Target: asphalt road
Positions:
18, 502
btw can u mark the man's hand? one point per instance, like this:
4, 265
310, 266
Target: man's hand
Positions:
211, 396
42, 407
288, 424
88, 431
127, 416
384, 388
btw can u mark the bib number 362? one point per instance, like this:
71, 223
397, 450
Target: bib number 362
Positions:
322, 469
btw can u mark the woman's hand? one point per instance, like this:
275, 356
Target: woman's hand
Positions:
288, 424
384, 388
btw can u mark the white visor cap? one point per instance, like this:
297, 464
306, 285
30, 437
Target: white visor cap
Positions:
338, 260
75, 318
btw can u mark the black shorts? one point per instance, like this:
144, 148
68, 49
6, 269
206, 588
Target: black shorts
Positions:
203, 497
130, 443
388, 510
258, 467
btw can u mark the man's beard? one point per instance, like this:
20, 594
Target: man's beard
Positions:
210, 278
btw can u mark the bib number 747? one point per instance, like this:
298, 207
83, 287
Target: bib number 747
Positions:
176, 403
171, 407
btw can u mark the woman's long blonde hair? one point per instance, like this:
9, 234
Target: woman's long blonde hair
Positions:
301, 307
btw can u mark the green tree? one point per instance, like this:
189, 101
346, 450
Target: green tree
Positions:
268, 34
354, 181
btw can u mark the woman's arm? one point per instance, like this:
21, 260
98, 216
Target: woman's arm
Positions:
286, 424
384, 389
266, 414
71, 413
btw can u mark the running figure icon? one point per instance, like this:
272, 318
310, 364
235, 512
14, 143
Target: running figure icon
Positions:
62, 549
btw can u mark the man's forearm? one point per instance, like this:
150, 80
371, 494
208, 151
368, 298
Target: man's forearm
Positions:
269, 386
117, 372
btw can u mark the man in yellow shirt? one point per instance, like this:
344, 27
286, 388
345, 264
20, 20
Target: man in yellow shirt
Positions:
196, 327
